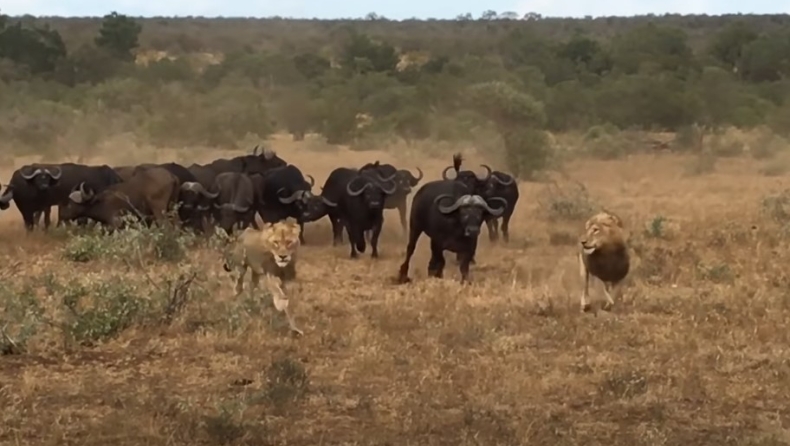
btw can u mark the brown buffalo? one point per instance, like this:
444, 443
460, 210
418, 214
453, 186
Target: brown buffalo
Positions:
148, 194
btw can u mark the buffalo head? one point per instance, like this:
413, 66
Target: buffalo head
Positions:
375, 192
193, 197
41, 177
470, 209
105, 208
194, 204
310, 206
470, 179
5, 197
229, 215
406, 180
496, 182
316, 207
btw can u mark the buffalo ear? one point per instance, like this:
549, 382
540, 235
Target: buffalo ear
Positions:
76, 197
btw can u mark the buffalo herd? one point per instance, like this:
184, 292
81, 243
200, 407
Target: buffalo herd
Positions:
228, 193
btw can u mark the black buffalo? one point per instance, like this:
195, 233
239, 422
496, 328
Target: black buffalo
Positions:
501, 185
286, 193
255, 163
451, 216
360, 201
493, 184
404, 181
37, 187
148, 194
234, 201
195, 205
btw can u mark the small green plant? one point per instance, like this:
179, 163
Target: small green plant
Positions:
99, 311
136, 240
656, 227
287, 381
777, 207
716, 273
20, 318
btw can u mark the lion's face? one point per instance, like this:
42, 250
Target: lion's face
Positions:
282, 240
599, 234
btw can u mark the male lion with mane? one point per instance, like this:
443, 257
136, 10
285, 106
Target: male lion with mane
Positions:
603, 254
269, 252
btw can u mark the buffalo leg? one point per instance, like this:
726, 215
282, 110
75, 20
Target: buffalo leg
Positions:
337, 231
30, 219
356, 237
459, 258
464, 266
47, 217
403, 275
493, 229
301, 232
374, 239
465, 259
506, 226
436, 264
402, 215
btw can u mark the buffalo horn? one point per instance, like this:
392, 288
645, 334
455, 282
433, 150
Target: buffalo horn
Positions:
444, 172
31, 175
354, 193
389, 191
328, 202
488, 172
288, 200
55, 176
421, 174
510, 180
498, 211
447, 209
312, 180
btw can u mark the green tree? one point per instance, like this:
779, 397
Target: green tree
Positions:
311, 65
520, 119
651, 48
38, 49
362, 55
766, 59
119, 35
727, 46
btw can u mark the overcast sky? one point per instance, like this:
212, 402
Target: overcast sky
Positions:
392, 9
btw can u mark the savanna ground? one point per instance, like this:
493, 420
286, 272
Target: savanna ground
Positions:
107, 342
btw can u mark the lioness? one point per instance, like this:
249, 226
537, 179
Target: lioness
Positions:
603, 254
269, 252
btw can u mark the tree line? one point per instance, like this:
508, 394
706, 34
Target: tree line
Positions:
514, 83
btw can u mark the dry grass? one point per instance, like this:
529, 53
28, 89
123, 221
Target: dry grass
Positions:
696, 353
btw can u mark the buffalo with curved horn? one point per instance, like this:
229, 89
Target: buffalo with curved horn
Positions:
451, 215
405, 181
286, 193
194, 206
360, 199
